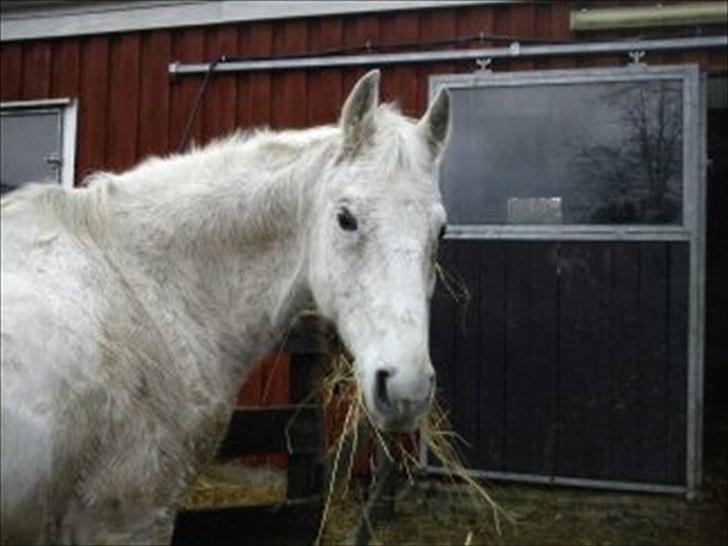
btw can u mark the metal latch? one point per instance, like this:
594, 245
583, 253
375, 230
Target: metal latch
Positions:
54, 159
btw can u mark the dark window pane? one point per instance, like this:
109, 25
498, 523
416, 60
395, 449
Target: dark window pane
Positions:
586, 153
29, 138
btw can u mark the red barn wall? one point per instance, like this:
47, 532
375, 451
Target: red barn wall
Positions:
130, 108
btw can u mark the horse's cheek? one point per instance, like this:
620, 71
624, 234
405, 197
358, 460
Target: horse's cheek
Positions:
320, 281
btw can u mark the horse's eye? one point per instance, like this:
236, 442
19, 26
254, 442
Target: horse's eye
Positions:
443, 229
347, 222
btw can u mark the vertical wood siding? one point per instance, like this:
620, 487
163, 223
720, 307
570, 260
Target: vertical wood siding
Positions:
154, 96
130, 108
573, 353
93, 101
36, 70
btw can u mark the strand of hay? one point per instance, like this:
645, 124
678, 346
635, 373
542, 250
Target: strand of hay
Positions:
457, 290
332, 482
209, 493
340, 387
437, 434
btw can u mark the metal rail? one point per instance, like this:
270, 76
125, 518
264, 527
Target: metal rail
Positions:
617, 485
694, 13
513, 51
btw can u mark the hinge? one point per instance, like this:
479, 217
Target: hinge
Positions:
636, 57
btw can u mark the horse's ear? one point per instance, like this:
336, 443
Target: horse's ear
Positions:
435, 124
355, 119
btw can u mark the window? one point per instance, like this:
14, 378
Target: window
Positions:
38, 142
586, 152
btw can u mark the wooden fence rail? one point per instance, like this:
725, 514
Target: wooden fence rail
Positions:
296, 430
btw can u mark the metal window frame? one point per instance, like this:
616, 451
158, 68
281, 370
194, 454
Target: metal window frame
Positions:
691, 231
67, 128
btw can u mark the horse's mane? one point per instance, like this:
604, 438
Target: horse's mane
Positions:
81, 210
84, 210
276, 148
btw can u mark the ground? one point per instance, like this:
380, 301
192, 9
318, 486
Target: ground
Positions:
433, 511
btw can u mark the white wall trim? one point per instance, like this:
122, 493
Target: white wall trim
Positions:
38, 103
70, 125
33, 20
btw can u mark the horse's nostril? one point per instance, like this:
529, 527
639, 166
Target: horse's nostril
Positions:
381, 385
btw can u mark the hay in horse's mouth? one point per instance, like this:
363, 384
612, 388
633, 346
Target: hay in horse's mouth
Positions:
342, 393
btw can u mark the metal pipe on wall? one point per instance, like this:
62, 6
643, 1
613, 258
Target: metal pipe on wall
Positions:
513, 51
697, 13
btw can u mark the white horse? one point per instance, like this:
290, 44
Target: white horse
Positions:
132, 309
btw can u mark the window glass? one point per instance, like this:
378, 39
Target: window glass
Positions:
31, 147
580, 153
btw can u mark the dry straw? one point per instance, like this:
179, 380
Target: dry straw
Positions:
342, 395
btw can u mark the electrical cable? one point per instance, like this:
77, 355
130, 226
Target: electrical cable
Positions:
367, 47
198, 102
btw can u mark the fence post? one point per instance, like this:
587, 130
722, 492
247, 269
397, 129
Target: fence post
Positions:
306, 471
380, 506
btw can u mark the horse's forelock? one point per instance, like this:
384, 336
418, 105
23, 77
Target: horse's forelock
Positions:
398, 148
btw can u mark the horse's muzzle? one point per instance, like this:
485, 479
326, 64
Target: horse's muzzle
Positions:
401, 400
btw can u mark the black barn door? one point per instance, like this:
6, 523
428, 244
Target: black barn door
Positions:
575, 203
566, 358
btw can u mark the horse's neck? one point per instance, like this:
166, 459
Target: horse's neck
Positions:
223, 237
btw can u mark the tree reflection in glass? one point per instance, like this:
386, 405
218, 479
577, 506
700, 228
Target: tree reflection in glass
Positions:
637, 175
609, 152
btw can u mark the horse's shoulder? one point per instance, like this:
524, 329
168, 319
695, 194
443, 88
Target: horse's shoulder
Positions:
48, 306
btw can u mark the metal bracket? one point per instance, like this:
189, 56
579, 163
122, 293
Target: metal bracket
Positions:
636, 57
484, 65
174, 70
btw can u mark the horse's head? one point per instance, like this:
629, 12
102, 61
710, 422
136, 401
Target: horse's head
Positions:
372, 268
